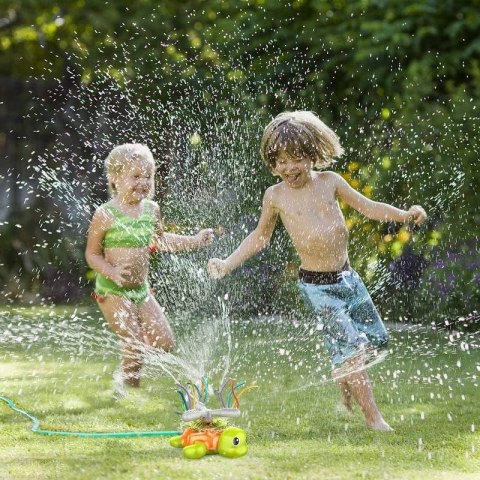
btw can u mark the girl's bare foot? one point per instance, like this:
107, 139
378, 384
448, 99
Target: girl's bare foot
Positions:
380, 425
132, 381
121, 381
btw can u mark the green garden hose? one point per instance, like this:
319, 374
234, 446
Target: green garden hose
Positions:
36, 428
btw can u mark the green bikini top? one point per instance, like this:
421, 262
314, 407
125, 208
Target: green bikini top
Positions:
129, 232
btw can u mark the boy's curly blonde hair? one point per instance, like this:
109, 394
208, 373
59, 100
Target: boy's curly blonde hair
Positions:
121, 156
300, 134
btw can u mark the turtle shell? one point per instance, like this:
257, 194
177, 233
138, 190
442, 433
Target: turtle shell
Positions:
208, 436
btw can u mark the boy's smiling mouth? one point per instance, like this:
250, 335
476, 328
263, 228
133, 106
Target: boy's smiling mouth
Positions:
292, 177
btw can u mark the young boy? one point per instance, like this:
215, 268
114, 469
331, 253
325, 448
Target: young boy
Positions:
306, 202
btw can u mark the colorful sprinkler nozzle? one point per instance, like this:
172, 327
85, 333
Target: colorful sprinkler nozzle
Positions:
206, 431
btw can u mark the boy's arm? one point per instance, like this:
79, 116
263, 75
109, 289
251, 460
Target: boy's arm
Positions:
252, 244
171, 242
376, 210
94, 250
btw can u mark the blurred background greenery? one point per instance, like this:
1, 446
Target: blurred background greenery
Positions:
197, 80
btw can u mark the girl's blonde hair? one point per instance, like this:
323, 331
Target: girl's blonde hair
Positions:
300, 134
121, 156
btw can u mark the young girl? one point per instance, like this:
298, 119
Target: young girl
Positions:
122, 234
306, 202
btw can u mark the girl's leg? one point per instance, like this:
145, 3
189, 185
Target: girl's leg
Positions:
122, 317
156, 330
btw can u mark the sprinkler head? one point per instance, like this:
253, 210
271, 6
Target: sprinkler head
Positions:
207, 415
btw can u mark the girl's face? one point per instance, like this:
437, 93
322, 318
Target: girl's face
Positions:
135, 181
294, 171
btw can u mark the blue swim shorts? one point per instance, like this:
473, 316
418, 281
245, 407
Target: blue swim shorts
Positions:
346, 316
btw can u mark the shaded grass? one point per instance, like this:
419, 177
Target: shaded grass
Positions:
427, 389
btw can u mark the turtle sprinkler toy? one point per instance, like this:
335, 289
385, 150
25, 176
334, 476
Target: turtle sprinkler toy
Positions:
208, 431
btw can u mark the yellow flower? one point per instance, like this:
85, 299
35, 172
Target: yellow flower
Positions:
367, 190
403, 235
386, 163
396, 248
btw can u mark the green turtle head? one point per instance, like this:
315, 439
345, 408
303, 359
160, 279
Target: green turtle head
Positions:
232, 443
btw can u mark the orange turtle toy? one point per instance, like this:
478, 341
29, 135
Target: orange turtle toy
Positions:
230, 442
205, 432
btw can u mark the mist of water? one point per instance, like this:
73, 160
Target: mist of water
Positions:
209, 174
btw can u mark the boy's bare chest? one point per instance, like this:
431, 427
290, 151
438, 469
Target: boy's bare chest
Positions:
304, 207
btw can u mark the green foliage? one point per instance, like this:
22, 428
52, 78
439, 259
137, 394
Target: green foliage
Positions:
450, 288
399, 81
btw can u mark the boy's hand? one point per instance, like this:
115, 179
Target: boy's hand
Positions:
217, 268
416, 214
205, 237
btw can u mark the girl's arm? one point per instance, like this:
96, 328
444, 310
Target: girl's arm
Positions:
94, 250
252, 244
171, 242
376, 210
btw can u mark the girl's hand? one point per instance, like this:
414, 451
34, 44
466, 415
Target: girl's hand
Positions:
120, 274
416, 214
205, 237
217, 268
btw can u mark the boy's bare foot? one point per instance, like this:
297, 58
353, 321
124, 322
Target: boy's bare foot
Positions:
380, 425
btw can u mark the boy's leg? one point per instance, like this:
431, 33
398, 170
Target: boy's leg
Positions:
357, 384
122, 317
155, 328
361, 390
367, 319
345, 394
346, 343
340, 334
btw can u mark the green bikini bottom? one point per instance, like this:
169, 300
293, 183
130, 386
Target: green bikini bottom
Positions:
104, 286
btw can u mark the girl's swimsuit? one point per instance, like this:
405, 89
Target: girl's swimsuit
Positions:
127, 232
345, 313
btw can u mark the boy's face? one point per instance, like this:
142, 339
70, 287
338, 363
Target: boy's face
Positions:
294, 171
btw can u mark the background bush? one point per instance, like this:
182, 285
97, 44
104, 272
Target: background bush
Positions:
399, 82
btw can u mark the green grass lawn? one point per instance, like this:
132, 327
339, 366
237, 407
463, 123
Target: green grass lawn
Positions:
427, 389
